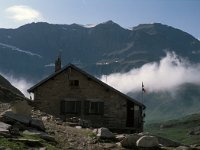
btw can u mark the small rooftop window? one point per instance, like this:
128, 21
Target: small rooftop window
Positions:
74, 83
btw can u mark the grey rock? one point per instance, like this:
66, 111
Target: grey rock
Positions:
120, 137
183, 148
11, 117
147, 141
4, 127
130, 140
32, 132
104, 133
37, 123
5, 130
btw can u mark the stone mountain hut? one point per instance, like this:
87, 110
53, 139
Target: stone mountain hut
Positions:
71, 92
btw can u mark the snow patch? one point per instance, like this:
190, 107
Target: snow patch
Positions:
89, 25
50, 65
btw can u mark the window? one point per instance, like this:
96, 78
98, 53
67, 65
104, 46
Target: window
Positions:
70, 107
96, 108
74, 83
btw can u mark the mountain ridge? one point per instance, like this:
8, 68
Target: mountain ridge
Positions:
106, 45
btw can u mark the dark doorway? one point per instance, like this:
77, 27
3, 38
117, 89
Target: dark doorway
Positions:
130, 114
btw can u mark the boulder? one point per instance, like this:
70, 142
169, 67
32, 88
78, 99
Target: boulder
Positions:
147, 141
21, 108
130, 140
4, 127
11, 117
24, 120
120, 137
37, 123
105, 133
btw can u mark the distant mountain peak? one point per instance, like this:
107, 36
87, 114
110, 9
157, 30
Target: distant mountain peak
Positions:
108, 22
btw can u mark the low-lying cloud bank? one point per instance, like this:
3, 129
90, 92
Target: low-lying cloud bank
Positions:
166, 75
171, 72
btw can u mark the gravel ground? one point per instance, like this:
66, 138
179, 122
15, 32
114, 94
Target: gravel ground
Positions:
71, 137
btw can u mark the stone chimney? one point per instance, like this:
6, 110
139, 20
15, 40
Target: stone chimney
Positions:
58, 64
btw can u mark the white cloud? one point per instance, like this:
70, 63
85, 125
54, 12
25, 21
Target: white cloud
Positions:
50, 65
166, 75
24, 13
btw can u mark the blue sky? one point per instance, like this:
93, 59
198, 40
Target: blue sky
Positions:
182, 14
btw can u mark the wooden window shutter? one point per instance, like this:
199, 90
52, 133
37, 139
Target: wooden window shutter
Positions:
101, 108
78, 107
62, 107
86, 106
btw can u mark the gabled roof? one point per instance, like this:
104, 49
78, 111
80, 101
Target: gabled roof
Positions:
89, 76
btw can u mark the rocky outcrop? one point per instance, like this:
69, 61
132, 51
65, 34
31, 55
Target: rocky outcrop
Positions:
16, 127
9, 93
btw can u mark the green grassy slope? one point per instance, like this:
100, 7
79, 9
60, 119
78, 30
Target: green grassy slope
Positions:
178, 129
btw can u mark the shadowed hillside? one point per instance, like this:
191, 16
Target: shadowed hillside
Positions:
8, 92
